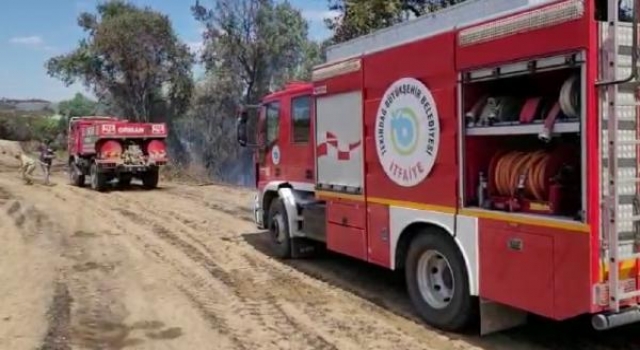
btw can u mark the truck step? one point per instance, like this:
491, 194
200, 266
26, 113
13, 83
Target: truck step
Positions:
312, 204
629, 295
628, 180
629, 257
628, 142
627, 104
633, 218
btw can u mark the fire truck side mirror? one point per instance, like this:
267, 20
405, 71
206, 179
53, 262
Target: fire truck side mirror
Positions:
246, 120
241, 128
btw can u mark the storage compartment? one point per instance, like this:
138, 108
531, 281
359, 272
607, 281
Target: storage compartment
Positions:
517, 269
522, 137
347, 240
379, 251
347, 213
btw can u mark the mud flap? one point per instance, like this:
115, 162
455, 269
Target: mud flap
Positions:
258, 213
303, 248
300, 246
289, 199
495, 317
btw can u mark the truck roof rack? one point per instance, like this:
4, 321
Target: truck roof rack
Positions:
94, 117
430, 24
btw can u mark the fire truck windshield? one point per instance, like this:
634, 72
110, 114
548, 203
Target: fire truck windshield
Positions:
625, 10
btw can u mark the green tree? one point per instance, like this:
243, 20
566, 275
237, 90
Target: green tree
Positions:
251, 47
359, 17
262, 43
132, 58
78, 106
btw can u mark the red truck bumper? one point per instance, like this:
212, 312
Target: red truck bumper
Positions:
111, 166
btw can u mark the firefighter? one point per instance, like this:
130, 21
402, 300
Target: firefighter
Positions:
45, 159
27, 167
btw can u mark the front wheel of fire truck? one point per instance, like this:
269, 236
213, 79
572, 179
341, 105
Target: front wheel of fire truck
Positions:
437, 281
279, 237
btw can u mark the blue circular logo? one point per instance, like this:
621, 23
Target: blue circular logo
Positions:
404, 131
275, 155
407, 132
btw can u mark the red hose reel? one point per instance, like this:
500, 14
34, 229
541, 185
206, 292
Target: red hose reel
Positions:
537, 181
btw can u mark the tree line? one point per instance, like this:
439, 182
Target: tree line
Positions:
133, 61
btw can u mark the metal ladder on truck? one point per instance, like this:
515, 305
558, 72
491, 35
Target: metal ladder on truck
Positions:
621, 143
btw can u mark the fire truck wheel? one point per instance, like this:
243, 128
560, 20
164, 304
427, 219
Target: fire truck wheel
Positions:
279, 238
98, 180
437, 282
150, 179
76, 178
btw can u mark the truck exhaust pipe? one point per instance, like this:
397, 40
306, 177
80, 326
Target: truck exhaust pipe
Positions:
603, 322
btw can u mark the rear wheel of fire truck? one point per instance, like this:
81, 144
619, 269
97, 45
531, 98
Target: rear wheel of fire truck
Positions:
98, 180
437, 281
150, 179
76, 177
279, 237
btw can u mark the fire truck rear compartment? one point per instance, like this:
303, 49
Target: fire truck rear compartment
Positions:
522, 144
124, 159
523, 155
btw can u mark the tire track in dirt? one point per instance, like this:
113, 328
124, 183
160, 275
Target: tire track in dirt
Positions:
226, 254
281, 278
134, 217
59, 315
266, 314
250, 304
284, 278
539, 334
234, 211
273, 312
214, 320
245, 287
93, 320
213, 269
31, 223
97, 318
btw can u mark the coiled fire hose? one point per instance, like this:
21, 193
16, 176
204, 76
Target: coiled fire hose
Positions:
532, 174
529, 172
517, 170
570, 97
490, 109
568, 103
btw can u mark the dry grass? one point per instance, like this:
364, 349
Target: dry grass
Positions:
193, 174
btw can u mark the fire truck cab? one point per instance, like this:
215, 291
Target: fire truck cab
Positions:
488, 150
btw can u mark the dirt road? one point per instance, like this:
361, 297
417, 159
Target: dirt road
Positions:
184, 268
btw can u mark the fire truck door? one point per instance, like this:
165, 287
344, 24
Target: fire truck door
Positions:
297, 153
268, 156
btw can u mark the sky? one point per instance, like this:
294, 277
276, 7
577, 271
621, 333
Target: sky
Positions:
31, 31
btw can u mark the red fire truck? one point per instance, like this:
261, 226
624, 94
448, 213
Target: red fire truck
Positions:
107, 148
489, 151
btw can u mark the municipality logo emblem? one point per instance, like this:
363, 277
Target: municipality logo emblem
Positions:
404, 131
407, 132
